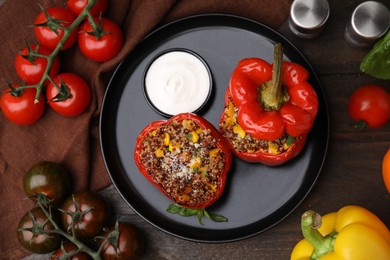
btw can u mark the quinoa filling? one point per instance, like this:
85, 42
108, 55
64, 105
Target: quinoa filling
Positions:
185, 160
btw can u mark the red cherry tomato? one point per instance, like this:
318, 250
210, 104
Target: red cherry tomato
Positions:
31, 71
49, 38
77, 6
101, 48
21, 109
73, 97
370, 104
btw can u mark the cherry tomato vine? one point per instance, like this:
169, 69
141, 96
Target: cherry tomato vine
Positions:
67, 31
56, 29
67, 224
84, 214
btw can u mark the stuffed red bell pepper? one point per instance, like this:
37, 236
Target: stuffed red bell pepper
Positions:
269, 110
186, 158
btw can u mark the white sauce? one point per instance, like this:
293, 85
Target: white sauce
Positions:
177, 82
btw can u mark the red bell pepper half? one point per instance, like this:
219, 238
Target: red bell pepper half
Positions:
269, 110
186, 158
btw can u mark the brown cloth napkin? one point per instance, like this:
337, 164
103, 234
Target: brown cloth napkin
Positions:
74, 142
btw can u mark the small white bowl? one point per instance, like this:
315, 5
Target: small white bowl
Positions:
177, 81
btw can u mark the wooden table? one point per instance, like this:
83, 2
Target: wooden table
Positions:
351, 173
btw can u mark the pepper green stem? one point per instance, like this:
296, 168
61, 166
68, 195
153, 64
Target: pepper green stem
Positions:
322, 245
50, 58
271, 94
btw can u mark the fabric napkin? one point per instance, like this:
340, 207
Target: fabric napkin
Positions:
74, 142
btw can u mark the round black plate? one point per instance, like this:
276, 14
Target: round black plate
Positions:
256, 196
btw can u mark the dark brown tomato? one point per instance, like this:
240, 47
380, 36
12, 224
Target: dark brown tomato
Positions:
34, 232
125, 241
49, 179
87, 211
66, 251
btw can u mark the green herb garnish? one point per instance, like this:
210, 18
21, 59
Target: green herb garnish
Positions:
186, 212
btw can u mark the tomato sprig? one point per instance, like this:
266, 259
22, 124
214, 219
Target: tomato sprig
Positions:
123, 238
54, 24
58, 230
58, 28
68, 223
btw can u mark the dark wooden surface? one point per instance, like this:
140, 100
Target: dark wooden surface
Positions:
351, 173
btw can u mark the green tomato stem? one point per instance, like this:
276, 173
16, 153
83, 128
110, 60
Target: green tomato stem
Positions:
91, 20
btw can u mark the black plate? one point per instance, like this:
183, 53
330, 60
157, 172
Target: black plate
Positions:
256, 196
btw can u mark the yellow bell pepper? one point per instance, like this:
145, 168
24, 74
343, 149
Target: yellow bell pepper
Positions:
352, 233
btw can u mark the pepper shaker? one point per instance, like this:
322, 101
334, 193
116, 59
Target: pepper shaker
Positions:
308, 17
369, 21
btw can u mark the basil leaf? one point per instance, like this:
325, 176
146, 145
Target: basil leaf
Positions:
177, 209
200, 216
173, 209
215, 217
376, 62
218, 218
186, 212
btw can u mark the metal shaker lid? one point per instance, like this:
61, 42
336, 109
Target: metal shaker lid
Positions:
308, 17
369, 21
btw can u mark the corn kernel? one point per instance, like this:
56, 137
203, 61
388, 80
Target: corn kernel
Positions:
203, 171
231, 121
189, 124
286, 146
194, 137
171, 146
195, 162
214, 152
238, 130
230, 110
212, 187
273, 148
199, 131
159, 153
167, 139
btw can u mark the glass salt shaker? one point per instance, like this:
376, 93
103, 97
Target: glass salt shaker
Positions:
369, 21
308, 17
